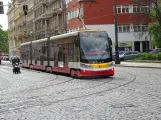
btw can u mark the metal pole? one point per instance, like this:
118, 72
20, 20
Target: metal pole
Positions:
31, 33
46, 33
145, 43
117, 61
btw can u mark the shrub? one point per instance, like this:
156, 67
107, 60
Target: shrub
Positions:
143, 56
150, 56
159, 56
153, 57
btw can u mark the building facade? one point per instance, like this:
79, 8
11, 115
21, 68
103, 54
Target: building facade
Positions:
132, 21
49, 16
12, 21
44, 18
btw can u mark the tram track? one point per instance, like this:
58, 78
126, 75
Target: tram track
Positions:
32, 101
95, 93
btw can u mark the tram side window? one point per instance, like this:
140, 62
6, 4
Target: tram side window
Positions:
22, 54
44, 52
75, 53
28, 52
38, 52
52, 52
70, 52
60, 54
73, 50
33, 54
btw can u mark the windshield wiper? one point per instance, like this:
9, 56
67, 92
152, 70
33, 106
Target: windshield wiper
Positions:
102, 56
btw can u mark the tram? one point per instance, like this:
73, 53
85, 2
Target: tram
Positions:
82, 53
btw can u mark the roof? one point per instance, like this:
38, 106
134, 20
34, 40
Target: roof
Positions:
60, 36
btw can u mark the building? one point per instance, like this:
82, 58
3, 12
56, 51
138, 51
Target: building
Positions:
132, 21
44, 18
29, 21
16, 26
49, 16
11, 28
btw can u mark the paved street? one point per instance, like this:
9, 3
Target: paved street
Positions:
132, 94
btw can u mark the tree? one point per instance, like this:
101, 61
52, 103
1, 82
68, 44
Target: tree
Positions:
3, 40
155, 27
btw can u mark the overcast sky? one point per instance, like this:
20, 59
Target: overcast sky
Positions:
3, 17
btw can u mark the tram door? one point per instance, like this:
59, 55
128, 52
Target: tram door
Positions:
61, 55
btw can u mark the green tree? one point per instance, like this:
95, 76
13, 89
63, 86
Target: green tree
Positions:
155, 30
155, 27
3, 40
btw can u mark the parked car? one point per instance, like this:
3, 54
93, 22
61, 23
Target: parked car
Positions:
156, 50
127, 55
5, 57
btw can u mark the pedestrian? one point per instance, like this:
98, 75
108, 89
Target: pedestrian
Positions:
13, 60
17, 59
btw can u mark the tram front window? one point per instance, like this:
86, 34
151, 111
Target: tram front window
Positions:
94, 47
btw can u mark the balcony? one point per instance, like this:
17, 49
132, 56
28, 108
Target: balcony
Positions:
50, 15
40, 17
20, 1
57, 11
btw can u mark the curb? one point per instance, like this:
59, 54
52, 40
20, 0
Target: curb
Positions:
143, 61
137, 66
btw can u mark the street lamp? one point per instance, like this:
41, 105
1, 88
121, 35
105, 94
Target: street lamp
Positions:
146, 43
117, 61
31, 34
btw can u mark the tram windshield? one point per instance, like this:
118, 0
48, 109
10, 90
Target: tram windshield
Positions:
94, 47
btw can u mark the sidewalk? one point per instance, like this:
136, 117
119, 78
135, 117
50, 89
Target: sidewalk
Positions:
124, 64
139, 65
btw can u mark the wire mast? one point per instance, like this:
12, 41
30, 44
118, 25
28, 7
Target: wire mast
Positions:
80, 14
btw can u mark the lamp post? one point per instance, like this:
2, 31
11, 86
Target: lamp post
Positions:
117, 61
146, 43
31, 34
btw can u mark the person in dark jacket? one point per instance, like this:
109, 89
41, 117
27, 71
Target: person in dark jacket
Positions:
13, 60
16, 60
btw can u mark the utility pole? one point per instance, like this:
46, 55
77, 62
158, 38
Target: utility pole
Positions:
146, 45
117, 61
1, 8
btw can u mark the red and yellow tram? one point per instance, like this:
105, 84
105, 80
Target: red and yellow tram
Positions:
80, 54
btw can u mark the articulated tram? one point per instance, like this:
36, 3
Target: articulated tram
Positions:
81, 54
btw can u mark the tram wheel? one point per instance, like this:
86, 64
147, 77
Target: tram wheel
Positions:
72, 73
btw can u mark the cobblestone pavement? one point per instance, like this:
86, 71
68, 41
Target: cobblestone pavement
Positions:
132, 94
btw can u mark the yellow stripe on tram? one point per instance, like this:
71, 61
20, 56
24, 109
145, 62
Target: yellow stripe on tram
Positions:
100, 65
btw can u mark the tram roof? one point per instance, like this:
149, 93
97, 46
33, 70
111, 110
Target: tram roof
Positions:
64, 35
59, 36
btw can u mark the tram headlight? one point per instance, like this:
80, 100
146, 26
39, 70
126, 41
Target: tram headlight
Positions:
110, 65
85, 66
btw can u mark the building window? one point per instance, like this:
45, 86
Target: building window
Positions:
124, 28
140, 27
122, 9
144, 27
72, 14
118, 9
137, 28
140, 9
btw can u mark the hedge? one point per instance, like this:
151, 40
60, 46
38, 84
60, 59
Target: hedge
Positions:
150, 56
